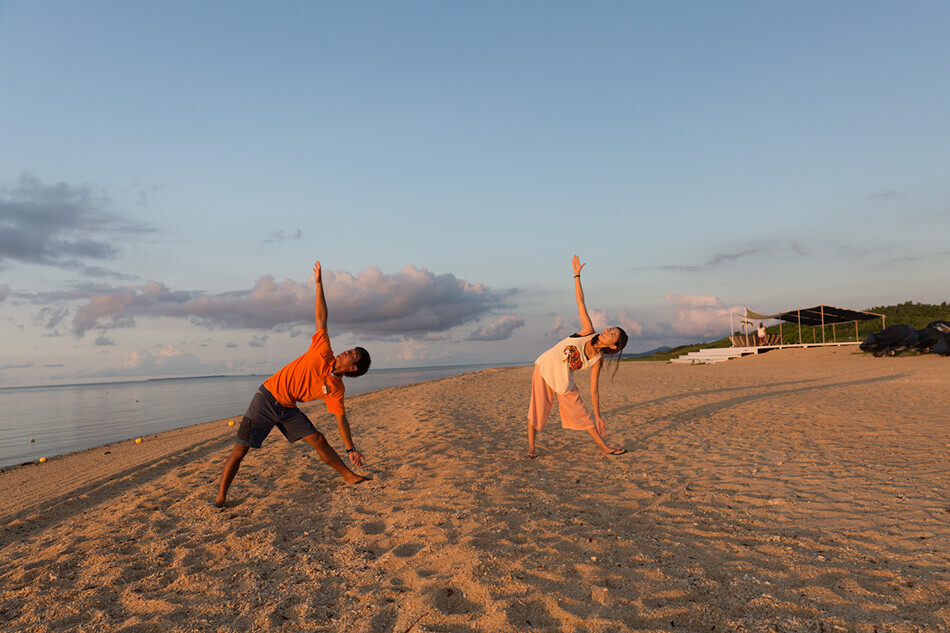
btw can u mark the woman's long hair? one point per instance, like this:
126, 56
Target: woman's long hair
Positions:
621, 343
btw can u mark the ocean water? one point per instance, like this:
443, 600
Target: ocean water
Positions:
64, 419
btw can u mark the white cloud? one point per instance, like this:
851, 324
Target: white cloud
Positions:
7, 366
888, 195
169, 351
169, 361
280, 236
601, 321
60, 225
715, 261
135, 359
411, 303
631, 327
258, 341
699, 316
411, 350
559, 329
499, 330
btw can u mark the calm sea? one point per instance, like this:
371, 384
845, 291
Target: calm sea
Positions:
69, 418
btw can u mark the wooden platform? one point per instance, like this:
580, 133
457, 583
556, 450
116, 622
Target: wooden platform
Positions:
721, 354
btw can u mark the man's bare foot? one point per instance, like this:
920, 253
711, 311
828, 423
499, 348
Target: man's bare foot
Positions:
220, 503
358, 480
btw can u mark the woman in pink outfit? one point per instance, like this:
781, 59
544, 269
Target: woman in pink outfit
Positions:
554, 377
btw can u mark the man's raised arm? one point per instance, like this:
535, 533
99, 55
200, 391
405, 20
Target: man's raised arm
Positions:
320, 303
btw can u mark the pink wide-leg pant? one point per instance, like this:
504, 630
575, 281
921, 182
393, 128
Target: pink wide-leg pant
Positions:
574, 415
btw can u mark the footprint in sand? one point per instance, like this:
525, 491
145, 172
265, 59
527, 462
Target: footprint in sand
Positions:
529, 615
452, 601
384, 621
407, 550
374, 527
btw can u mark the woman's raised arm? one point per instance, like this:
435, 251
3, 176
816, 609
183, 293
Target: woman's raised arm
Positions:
587, 327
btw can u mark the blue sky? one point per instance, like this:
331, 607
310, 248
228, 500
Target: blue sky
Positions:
170, 171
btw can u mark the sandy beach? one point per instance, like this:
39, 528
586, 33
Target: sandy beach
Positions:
798, 490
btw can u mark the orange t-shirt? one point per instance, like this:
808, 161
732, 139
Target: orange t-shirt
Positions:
308, 378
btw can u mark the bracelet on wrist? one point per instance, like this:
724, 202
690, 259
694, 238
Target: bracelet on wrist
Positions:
350, 450
576, 276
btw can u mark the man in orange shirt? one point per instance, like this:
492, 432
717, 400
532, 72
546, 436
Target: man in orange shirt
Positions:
317, 375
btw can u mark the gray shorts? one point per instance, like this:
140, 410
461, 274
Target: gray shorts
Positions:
264, 413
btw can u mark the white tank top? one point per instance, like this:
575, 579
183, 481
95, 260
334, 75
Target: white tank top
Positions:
558, 364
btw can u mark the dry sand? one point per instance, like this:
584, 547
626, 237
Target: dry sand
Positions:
799, 490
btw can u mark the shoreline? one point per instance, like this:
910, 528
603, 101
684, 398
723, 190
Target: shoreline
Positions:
132, 381
794, 491
87, 468
138, 408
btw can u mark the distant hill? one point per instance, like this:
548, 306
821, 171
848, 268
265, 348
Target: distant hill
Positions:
666, 353
916, 315
658, 350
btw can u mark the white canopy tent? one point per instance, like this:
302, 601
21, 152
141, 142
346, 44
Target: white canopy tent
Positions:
819, 315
